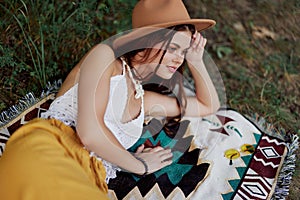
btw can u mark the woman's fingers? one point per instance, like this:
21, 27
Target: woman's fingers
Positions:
156, 158
140, 149
166, 157
196, 41
157, 149
202, 42
147, 150
166, 162
161, 151
199, 41
195, 53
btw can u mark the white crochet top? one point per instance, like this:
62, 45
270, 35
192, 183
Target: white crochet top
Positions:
65, 107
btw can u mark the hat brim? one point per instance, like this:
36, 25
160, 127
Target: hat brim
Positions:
200, 25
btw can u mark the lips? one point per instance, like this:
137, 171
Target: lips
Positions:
172, 69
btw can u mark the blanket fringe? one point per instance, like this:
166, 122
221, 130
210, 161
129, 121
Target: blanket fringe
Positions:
51, 88
26, 102
287, 170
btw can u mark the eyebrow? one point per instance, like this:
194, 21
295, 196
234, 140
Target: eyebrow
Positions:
178, 46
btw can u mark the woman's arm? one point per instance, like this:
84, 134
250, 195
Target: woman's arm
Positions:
93, 92
207, 100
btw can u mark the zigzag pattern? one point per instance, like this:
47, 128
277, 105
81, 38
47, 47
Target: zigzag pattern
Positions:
184, 174
254, 186
272, 140
254, 176
154, 193
4, 136
259, 178
265, 163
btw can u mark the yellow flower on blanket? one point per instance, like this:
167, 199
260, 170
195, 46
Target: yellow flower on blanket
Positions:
247, 148
232, 154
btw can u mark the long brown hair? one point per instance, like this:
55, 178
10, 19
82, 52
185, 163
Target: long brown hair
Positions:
153, 82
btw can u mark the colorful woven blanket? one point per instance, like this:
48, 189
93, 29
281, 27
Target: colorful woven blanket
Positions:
222, 156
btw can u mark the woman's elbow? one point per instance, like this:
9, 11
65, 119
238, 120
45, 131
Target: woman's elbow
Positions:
213, 108
216, 106
87, 142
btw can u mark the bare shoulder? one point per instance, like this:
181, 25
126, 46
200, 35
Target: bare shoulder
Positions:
108, 56
103, 47
98, 55
103, 52
101, 58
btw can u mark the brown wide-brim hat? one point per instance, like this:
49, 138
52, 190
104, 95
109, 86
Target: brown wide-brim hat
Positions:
151, 15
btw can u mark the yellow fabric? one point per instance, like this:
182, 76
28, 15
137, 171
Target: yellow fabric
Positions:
45, 159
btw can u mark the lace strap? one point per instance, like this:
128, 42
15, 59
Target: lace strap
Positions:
123, 66
139, 91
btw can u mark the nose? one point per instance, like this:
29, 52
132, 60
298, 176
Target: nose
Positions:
178, 58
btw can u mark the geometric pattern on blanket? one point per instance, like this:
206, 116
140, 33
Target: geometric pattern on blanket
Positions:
253, 176
258, 181
184, 174
250, 177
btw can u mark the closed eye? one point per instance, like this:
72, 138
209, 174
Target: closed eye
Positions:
172, 49
175, 49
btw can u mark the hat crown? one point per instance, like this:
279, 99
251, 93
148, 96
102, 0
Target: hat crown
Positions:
154, 12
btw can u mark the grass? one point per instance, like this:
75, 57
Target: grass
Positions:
41, 41
37, 53
255, 45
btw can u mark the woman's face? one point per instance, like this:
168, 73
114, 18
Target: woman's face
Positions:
173, 58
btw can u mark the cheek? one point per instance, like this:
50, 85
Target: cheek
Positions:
167, 58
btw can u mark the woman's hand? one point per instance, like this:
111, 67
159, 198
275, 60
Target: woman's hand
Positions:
195, 52
155, 158
206, 100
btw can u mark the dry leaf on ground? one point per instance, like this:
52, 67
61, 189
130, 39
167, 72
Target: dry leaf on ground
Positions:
261, 32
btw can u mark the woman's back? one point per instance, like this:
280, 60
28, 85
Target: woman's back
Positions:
126, 129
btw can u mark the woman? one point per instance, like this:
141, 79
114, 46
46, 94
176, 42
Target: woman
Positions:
107, 106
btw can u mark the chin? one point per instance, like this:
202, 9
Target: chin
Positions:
166, 77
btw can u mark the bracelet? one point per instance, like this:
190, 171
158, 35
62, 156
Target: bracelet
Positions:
144, 163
